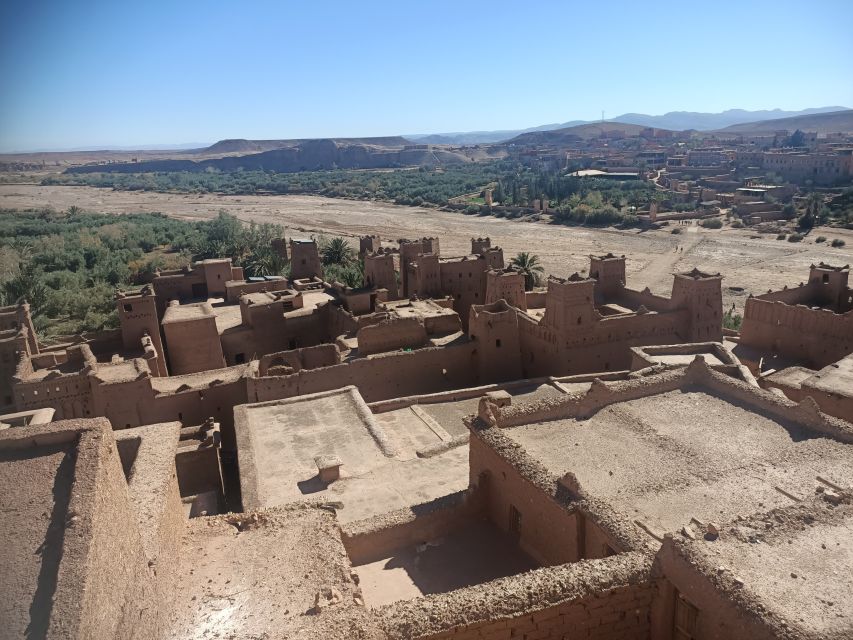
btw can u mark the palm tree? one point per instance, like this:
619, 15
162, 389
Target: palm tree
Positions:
337, 251
528, 265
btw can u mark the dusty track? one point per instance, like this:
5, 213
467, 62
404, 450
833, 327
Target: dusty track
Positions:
752, 264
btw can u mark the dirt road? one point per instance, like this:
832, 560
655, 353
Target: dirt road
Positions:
754, 265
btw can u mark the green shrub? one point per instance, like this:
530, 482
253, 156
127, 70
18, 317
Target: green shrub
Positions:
838, 243
675, 231
737, 224
712, 223
820, 239
795, 237
781, 236
732, 320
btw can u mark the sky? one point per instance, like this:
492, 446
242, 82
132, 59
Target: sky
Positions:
88, 74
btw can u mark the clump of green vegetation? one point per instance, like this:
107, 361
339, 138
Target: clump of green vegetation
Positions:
676, 231
529, 266
781, 236
67, 265
737, 224
820, 239
732, 320
576, 200
712, 223
837, 243
795, 237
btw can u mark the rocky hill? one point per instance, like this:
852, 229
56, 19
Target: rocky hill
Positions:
575, 134
295, 155
834, 122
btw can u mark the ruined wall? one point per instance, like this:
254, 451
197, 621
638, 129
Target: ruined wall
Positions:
16, 317
374, 538
378, 377
391, 334
13, 348
548, 532
606, 599
617, 614
178, 285
719, 618
817, 337
236, 288
324, 355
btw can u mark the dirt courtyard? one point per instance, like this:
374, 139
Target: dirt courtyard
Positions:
748, 264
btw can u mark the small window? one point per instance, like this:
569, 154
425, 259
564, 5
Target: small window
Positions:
128, 308
825, 278
498, 342
514, 522
180, 416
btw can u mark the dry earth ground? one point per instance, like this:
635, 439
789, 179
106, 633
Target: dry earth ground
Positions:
751, 264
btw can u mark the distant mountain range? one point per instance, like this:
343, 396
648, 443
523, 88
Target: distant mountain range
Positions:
837, 121
674, 120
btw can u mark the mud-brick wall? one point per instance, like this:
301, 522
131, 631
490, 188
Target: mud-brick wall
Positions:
621, 614
378, 378
549, 533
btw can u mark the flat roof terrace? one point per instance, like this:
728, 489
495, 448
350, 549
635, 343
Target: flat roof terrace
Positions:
278, 442
394, 454
686, 457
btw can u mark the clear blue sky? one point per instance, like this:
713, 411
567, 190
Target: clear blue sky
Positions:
125, 73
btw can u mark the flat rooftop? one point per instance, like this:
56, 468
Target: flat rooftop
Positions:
256, 575
187, 312
671, 459
836, 378
426, 439
799, 571
278, 442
